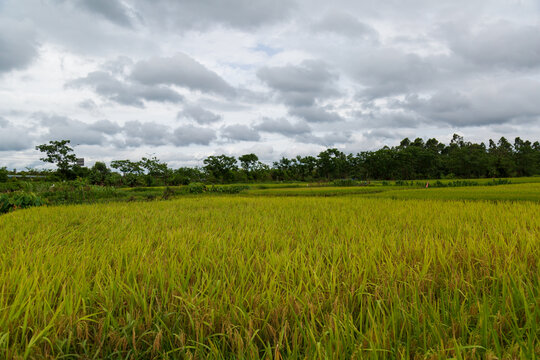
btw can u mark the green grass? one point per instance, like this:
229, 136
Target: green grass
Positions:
517, 192
272, 277
511, 192
316, 191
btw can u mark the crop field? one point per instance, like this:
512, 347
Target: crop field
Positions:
316, 191
236, 276
514, 192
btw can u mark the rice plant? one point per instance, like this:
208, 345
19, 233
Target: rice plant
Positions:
271, 277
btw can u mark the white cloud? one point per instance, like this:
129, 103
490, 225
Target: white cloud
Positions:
124, 78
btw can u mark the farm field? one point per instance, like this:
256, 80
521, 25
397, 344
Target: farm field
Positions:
511, 192
251, 276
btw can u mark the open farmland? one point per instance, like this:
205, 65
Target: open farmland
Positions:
236, 276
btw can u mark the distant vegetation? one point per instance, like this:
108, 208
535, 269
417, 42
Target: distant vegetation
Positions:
408, 161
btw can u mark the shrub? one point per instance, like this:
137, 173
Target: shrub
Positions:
3, 175
168, 193
18, 201
499, 182
230, 189
344, 182
195, 188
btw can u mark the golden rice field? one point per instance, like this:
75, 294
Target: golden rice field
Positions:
272, 277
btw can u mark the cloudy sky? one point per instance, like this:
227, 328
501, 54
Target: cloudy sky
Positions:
185, 79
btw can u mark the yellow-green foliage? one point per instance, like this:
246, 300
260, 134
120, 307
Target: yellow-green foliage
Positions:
517, 192
272, 277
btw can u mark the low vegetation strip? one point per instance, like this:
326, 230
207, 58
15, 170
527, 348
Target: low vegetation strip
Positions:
271, 277
317, 191
517, 192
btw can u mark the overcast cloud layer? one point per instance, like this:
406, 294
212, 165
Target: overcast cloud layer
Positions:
182, 79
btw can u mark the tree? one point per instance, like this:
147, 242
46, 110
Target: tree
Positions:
252, 167
127, 167
332, 164
154, 166
247, 161
220, 167
99, 173
524, 157
306, 167
3, 174
502, 158
59, 153
283, 169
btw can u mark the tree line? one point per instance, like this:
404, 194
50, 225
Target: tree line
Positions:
417, 159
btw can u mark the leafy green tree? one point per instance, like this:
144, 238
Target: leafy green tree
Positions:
59, 153
3, 174
186, 175
502, 158
260, 171
220, 168
332, 164
247, 161
154, 167
99, 173
526, 160
127, 167
307, 166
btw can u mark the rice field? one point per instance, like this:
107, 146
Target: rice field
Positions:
513, 192
309, 277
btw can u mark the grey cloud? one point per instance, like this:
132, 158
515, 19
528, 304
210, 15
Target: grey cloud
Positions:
89, 105
283, 126
486, 104
198, 114
125, 93
14, 138
147, 133
313, 114
328, 139
385, 72
180, 70
345, 24
502, 44
189, 134
113, 10
300, 85
382, 134
18, 46
118, 66
240, 132
187, 14
336, 138
398, 117
106, 127
61, 127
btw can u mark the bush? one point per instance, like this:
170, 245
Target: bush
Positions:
231, 189
133, 180
199, 188
113, 179
499, 182
77, 193
18, 201
344, 182
168, 193
3, 175
195, 188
